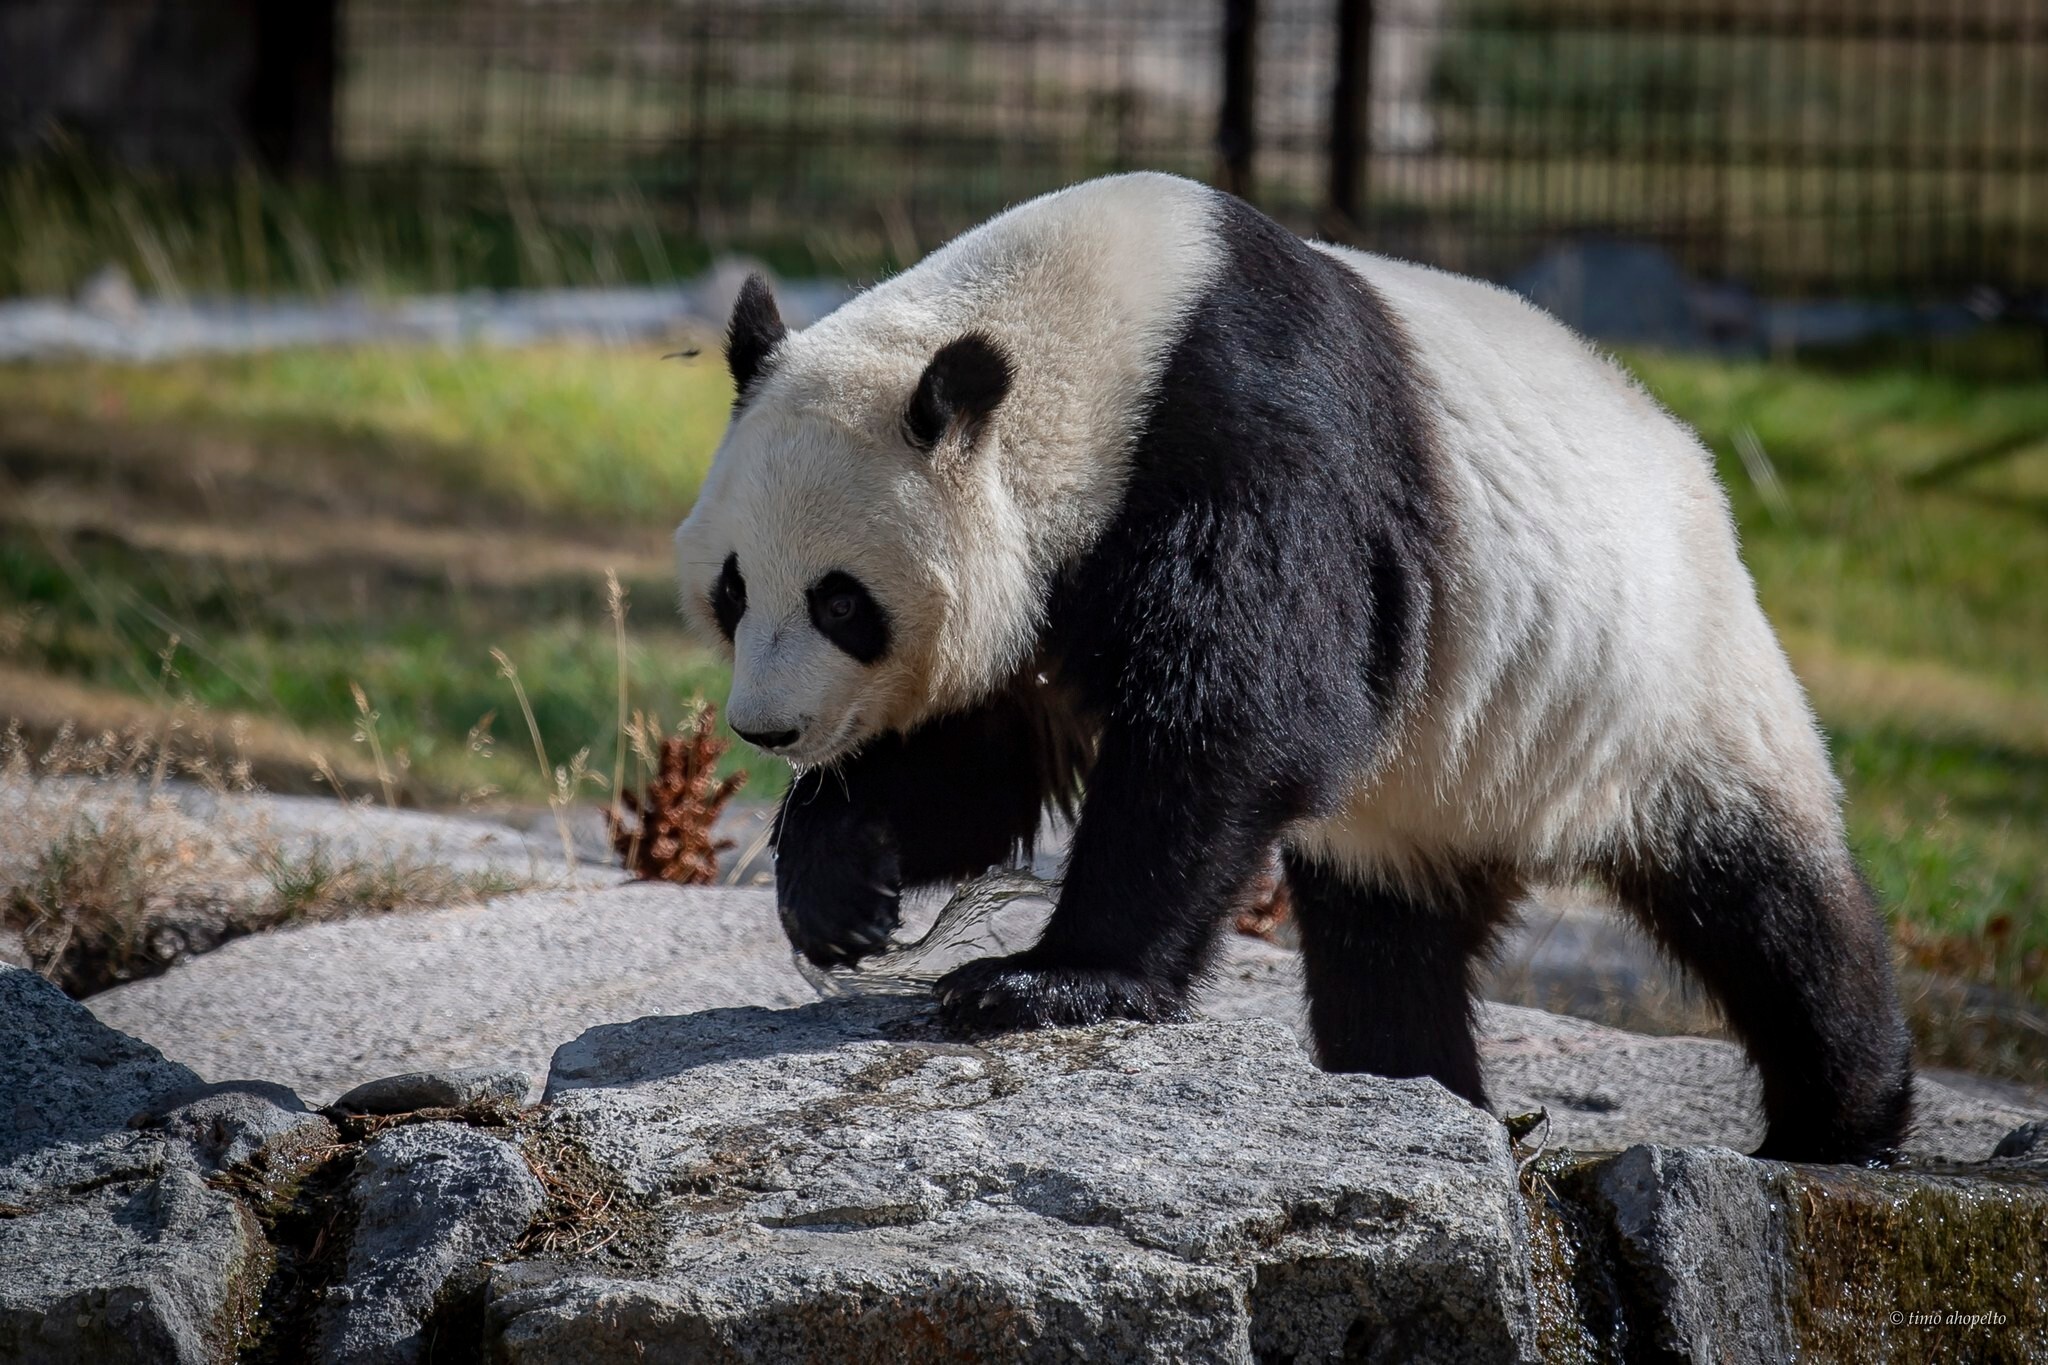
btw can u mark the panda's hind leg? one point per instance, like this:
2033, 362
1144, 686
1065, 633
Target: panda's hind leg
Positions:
1774, 919
1389, 968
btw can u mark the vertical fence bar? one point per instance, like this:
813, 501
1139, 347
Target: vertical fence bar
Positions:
1236, 130
289, 107
1351, 118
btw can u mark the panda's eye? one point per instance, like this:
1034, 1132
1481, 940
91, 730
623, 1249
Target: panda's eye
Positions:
848, 615
729, 597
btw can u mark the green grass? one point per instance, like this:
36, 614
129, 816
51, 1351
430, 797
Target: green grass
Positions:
552, 432
1896, 522
1904, 559
453, 502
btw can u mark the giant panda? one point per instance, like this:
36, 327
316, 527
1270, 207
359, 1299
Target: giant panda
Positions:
1132, 501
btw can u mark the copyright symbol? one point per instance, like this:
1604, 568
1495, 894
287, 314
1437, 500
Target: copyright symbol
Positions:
1897, 1317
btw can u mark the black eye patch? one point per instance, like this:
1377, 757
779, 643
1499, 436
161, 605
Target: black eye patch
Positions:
729, 597
848, 615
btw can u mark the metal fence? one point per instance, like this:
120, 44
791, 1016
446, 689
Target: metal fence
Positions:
1806, 147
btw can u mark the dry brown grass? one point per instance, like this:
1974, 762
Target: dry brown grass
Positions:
104, 878
588, 1212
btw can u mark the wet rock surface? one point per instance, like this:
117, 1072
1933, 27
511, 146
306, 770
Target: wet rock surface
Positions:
1703, 1255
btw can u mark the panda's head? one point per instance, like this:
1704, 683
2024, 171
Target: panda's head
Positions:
853, 547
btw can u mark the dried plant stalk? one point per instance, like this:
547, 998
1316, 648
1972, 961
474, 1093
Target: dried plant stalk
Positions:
1269, 912
666, 833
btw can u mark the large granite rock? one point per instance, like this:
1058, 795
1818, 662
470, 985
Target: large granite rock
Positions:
327, 1007
834, 1181
723, 1168
825, 1182
116, 1243
844, 1181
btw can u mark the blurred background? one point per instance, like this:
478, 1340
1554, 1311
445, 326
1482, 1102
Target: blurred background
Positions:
332, 339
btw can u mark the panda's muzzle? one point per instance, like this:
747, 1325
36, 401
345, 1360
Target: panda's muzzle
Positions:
768, 739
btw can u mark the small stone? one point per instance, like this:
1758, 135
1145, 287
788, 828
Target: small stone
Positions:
2028, 1142
453, 1089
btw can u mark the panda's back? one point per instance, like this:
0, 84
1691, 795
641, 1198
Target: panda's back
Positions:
1597, 647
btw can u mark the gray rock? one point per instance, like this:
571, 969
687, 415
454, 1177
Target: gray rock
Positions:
64, 1076
229, 1126
454, 1089
112, 1245
829, 1180
1715, 1257
433, 1202
1619, 292
1703, 1240
150, 1266
1606, 1089
327, 1007
373, 833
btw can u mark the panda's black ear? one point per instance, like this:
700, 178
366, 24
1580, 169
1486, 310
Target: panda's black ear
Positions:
966, 381
753, 334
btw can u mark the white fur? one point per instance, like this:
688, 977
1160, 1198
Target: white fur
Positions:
1084, 289
1599, 662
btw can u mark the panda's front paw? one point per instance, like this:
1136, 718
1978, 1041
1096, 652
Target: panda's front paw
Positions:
839, 899
1002, 993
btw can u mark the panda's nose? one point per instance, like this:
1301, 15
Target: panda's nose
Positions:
767, 739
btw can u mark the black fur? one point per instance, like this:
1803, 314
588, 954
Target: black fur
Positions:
965, 383
1390, 973
752, 335
952, 799
848, 615
1782, 930
729, 597
1246, 628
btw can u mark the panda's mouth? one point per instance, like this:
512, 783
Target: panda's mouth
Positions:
829, 750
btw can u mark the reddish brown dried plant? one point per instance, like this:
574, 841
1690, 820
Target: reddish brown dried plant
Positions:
665, 834
1268, 913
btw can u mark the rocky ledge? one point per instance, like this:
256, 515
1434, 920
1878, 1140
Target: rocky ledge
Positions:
844, 1181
